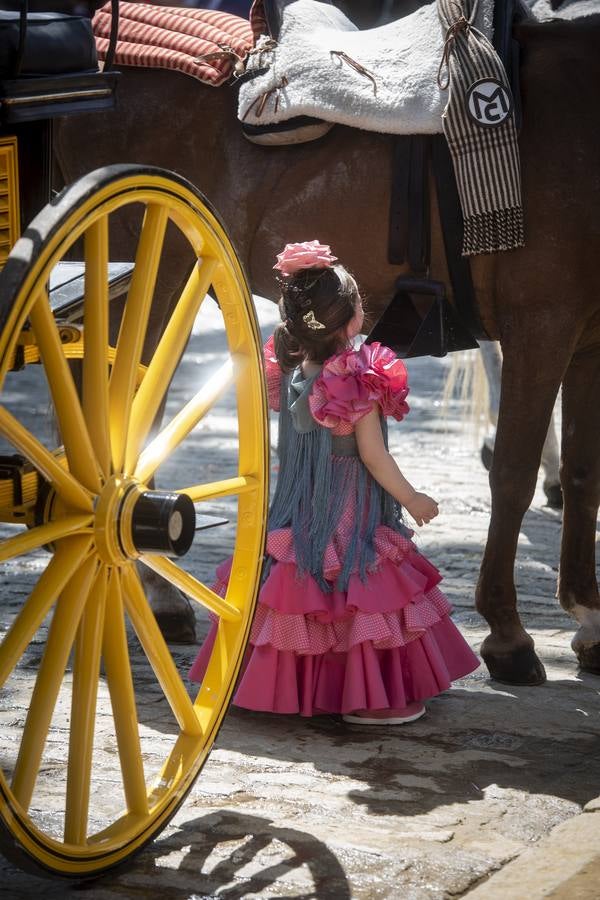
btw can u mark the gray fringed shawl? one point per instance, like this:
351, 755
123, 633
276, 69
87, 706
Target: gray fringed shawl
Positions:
316, 471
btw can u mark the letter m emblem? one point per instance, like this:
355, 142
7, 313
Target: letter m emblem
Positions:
489, 103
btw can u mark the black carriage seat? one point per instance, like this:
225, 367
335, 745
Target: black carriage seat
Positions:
48, 60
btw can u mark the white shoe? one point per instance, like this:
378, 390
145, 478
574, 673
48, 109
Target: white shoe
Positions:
390, 720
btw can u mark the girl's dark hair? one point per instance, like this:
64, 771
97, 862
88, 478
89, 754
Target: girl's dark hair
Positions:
331, 295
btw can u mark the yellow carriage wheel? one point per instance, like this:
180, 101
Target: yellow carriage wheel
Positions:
101, 521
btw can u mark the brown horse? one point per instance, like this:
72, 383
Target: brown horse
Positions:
541, 302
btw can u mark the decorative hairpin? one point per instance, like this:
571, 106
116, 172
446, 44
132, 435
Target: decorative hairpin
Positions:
312, 323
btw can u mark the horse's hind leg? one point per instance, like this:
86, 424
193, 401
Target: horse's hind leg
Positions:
525, 408
580, 477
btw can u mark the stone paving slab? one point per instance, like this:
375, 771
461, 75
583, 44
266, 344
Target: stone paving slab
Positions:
563, 866
300, 808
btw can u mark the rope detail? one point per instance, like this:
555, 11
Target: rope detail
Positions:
358, 67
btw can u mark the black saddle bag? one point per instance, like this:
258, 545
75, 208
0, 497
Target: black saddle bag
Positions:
66, 7
54, 43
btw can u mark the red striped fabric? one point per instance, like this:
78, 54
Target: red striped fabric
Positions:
174, 38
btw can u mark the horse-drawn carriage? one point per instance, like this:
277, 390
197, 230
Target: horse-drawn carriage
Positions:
80, 505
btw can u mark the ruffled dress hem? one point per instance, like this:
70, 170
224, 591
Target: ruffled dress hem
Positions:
281, 681
381, 644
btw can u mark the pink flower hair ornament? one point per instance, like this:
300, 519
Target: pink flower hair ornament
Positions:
306, 255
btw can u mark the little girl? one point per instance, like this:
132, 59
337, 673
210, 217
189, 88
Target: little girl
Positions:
350, 618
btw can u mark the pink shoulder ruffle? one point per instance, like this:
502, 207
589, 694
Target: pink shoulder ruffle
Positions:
273, 374
352, 381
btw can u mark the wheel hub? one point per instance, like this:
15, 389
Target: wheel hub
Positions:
131, 520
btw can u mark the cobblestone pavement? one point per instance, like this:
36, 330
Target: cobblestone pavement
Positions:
294, 808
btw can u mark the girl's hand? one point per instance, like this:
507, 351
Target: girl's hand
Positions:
422, 508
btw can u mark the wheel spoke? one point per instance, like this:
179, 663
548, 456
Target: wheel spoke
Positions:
192, 587
120, 685
242, 484
166, 358
34, 538
73, 429
183, 753
61, 635
186, 419
69, 555
45, 462
133, 329
95, 362
86, 669
155, 648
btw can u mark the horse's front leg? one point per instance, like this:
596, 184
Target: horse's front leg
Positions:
526, 403
580, 477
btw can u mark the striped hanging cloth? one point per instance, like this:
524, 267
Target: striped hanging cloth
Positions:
479, 126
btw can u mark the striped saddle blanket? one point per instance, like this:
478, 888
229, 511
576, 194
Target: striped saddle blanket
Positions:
203, 43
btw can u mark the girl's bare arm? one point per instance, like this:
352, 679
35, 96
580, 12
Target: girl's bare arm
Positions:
384, 469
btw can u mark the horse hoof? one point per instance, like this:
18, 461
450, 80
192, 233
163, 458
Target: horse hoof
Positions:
587, 648
554, 496
177, 626
519, 666
589, 658
487, 456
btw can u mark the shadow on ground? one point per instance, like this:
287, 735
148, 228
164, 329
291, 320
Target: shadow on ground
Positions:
215, 833
543, 740
228, 855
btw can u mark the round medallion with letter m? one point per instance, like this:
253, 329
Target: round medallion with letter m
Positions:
489, 102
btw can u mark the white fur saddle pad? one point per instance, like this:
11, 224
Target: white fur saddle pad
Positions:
568, 9
307, 76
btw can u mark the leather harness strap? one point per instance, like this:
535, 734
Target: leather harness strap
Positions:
409, 225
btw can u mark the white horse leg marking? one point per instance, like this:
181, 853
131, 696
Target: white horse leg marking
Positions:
588, 633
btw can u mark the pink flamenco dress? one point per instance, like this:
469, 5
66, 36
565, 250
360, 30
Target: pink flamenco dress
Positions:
350, 615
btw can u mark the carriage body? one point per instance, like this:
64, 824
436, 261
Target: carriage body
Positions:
85, 504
